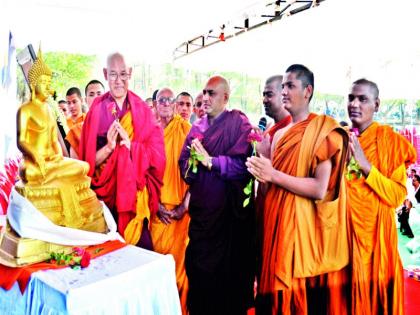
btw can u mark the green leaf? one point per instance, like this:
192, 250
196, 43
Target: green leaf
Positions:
200, 157
246, 202
248, 187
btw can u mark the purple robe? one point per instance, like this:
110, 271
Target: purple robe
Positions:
220, 257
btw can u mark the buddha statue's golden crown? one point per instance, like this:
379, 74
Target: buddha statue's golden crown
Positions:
38, 68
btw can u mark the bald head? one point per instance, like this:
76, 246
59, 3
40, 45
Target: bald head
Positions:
164, 91
117, 74
215, 96
115, 56
220, 81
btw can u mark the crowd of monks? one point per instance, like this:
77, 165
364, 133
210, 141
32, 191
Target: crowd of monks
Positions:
316, 238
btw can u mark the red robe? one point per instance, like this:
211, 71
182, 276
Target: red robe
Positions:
126, 172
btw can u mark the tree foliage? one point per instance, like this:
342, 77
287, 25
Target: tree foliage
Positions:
68, 70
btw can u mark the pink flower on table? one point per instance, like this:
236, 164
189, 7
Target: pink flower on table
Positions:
85, 260
78, 251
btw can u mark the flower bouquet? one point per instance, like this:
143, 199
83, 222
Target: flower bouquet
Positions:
353, 168
253, 138
195, 157
78, 258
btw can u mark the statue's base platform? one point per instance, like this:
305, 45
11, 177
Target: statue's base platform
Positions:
16, 251
72, 205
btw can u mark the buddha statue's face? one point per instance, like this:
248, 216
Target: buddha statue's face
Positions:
42, 87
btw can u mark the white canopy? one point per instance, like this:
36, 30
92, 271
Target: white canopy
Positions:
340, 40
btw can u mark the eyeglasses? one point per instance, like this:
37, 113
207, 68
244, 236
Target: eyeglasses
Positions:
163, 100
210, 92
113, 76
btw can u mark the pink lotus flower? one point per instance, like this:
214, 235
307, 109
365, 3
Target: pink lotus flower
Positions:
198, 136
355, 131
254, 137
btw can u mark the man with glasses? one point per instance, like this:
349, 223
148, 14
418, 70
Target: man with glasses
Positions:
220, 257
123, 145
184, 105
170, 224
382, 156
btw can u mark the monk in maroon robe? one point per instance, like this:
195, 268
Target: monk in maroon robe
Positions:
220, 257
124, 147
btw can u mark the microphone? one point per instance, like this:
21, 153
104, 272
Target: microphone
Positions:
262, 124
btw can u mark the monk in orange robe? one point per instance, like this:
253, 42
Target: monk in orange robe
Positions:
373, 195
75, 120
123, 145
274, 108
304, 242
169, 228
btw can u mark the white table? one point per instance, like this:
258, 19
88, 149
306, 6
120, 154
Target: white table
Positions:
130, 280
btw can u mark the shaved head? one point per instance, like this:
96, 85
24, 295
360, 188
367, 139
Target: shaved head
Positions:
220, 81
164, 90
114, 56
215, 96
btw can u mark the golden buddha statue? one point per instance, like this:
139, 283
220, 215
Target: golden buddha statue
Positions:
57, 186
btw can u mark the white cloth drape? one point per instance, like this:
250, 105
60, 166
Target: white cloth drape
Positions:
29, 222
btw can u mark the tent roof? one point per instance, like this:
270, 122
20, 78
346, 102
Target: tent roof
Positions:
340, 40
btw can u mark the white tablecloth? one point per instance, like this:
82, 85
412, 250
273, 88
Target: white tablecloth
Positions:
130, 280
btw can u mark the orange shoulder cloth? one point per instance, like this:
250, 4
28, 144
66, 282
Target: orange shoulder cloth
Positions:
321, 243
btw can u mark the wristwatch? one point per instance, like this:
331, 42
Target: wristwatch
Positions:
209, 163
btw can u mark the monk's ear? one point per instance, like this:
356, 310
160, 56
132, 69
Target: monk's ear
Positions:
226, 97
105, 71
309, 90
377, 103
130, 70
